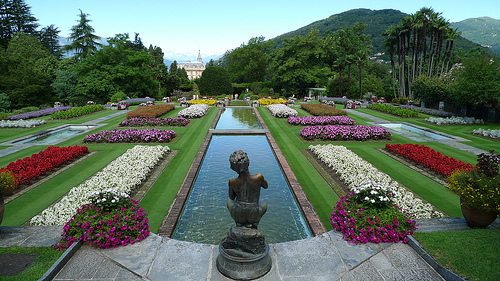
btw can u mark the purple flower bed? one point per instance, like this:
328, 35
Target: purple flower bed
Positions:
131, 136
321, 120
141, 121
345, 133
39, 113
430, 111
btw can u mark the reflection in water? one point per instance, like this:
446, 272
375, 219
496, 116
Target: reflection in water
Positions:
238, 118
205, 218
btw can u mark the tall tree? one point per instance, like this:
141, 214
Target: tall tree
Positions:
15, 16
215, 81
173, 67
300, 64
28, 69
249, 63
49, 37
83, 40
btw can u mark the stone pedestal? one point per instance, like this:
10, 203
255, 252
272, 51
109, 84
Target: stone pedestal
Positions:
243, 254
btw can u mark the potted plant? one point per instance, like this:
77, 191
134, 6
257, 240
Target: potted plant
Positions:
479, 190
8, 184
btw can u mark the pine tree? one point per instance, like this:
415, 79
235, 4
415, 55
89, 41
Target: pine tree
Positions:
15, 16
49, 37
84, 42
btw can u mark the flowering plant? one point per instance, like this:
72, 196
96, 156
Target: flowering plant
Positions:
345, 132
322, 109
194, 111
8, 182
151, 111
361, 221
279, 110
109, 200
479, 188
121, 224
131, 136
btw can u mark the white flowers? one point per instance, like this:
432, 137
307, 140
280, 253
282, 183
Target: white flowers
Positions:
122, 175
454, 120
282, 111
494, 134
194, 111
359, 174
21, 123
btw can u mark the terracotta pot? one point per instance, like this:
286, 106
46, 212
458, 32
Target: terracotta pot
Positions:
477, 219
2, 208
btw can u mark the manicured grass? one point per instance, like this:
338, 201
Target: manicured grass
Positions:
46, 257
473, 254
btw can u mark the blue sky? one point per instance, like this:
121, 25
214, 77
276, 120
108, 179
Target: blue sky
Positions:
186, 26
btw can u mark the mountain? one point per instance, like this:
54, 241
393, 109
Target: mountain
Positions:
377, 20
484, 31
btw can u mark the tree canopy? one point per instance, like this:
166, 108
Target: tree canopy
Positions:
215, 81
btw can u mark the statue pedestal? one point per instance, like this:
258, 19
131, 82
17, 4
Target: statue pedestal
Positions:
237, 260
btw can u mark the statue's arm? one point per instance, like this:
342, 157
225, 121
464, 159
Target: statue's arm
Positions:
263, 182
232, 194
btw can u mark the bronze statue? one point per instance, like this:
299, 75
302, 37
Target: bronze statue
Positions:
244, 192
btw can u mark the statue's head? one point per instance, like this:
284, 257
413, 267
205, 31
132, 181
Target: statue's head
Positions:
239, 161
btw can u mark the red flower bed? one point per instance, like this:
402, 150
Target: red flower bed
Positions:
427, 157
322, 109
46, 160
152, 111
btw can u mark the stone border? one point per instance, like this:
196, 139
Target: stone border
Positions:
445, 273
61, 262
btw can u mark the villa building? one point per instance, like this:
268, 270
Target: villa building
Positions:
193, 69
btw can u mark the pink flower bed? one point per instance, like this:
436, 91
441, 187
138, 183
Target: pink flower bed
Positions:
320, 120
345, 133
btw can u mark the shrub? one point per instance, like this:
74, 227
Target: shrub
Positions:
395, 110
118, 96
77, 111
8, 182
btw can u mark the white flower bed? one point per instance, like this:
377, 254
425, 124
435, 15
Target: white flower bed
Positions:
122, 175
494, 134
21, 123
454, 120
194, 111
355, 172
282, 111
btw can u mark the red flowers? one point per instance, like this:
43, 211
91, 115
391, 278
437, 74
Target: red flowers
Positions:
322, 109
153, 111
429, 158
47, 160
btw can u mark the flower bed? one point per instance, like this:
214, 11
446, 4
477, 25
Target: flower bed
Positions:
110, 220
77, 111
429, 158
131, 136
207, 102
153, 111
368, 215
267, 102
321, 109
123, 175
429, 111
354, 171
21, 123
454, 120
39, 113
194, 111
30, 168
345, 133
395, 110
320, 120
494, 134
282, 111
143, 121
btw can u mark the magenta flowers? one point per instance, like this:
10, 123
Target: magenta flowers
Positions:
131, 136
345, 133
143, 121
321, 120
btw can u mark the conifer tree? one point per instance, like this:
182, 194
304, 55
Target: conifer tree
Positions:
15, 16
84, 41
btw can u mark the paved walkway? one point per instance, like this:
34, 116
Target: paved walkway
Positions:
324, 257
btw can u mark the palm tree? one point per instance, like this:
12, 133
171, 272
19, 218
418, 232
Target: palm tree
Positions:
451, 35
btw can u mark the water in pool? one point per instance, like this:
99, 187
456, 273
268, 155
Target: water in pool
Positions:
205, 218
238, 118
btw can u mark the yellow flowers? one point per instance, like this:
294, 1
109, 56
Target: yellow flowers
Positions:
266, 102
207, 102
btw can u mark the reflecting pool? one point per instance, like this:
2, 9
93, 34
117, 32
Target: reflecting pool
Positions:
410, 131
54, 136
238, 118
205, 218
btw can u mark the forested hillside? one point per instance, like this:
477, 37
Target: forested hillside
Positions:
483, 30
